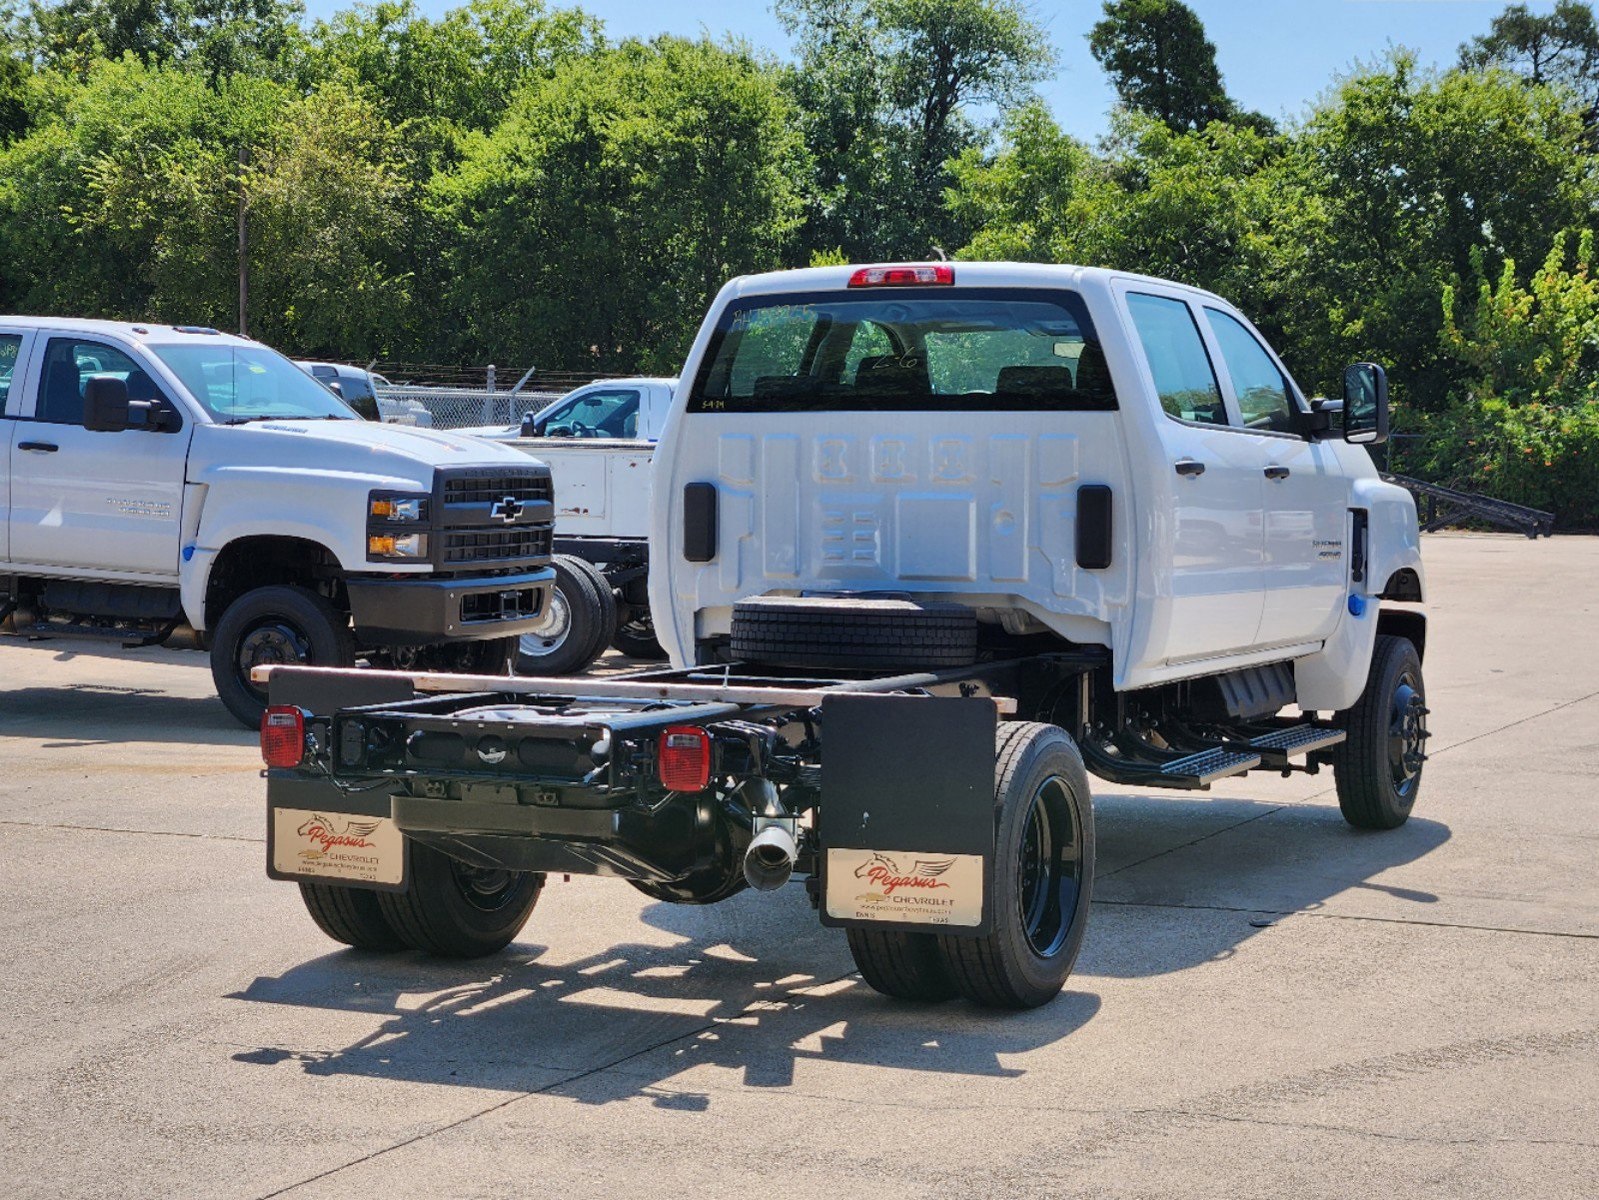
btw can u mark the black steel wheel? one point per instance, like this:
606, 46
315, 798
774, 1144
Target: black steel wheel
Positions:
273, 626
635, 635
1043, 873
1378, 766
458, 910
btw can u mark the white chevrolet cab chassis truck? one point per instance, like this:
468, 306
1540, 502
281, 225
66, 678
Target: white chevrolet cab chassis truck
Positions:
931, 544
182, 486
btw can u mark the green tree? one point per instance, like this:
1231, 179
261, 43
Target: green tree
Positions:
1523, 419
1407, 174
592, 227
1216, 207
217, 37
460, 70
1560, 47
887, 92
328, 199
15, 70
1160, 62
120, 200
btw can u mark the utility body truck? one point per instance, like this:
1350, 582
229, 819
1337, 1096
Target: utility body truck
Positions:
931, 544
181, 486
598, 442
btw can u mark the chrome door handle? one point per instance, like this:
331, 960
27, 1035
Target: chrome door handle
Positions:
39, 447
1190, 466
1277, 472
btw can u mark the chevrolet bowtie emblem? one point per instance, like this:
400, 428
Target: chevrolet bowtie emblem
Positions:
506, 510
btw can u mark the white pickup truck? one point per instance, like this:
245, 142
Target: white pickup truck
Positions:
598, 442
931, 543
183, 486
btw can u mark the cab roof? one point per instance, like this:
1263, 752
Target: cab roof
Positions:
967, 274
148, 332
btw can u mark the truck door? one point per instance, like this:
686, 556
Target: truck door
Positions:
15, 343
106, 501
1306, 504
1215, 581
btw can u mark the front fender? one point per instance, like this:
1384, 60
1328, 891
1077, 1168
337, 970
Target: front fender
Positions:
1394, 537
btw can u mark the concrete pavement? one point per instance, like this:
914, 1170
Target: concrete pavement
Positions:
1268, 1003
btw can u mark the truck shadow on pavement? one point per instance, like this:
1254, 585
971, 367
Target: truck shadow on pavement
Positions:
755, 987
623, 1022
81, 714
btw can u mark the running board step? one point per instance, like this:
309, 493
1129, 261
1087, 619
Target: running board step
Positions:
1202, 769
1277, 747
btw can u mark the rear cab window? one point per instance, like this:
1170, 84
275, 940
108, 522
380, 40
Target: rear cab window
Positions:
69, 364
909, 349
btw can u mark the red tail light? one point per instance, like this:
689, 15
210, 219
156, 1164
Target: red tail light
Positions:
283, 736
684, 759
904, 275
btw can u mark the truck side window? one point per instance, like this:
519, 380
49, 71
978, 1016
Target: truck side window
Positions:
1264, 397
1178, 360
69, 364
10, 347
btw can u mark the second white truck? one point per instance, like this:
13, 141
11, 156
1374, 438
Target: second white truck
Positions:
181, 486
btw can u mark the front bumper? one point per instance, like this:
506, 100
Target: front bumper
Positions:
423, 611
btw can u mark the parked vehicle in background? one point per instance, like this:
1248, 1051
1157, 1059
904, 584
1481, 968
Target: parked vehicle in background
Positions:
360, 389
930, 543
628, 409
597, 442
176, 485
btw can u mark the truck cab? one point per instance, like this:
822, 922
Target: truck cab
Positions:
1104, 458
179, 485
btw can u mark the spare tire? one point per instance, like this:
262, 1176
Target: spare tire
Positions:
853, 631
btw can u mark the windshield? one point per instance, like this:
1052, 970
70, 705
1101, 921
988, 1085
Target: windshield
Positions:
240, 383
979, 348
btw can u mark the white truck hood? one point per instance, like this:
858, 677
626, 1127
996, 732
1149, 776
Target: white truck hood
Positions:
355, 447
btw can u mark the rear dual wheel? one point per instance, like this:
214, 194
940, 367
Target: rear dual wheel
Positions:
1040, 893
449, 909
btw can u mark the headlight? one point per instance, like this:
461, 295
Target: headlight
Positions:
401, 509
397, 545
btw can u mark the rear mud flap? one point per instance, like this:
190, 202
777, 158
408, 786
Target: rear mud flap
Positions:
906, 822
315, 831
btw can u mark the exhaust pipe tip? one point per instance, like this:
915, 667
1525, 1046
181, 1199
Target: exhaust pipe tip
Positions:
769, 861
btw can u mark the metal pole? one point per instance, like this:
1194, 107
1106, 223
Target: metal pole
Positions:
244, 248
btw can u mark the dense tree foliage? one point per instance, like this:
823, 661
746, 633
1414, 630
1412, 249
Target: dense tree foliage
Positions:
502, 181
619, 194
887, 91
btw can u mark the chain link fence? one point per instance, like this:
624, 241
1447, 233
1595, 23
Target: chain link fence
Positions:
453, 397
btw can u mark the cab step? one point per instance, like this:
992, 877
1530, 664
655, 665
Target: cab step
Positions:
1278, 746
1204, 768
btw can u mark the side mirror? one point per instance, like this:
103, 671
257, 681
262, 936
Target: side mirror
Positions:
334, 386
530, 426
1365, 404
105, 404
